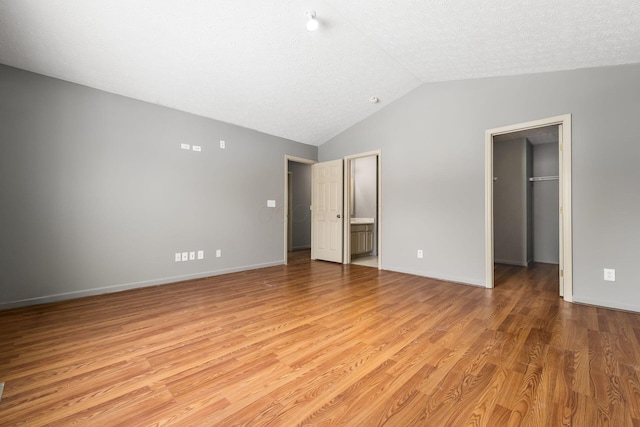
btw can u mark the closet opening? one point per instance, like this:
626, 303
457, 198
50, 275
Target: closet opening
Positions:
528, 201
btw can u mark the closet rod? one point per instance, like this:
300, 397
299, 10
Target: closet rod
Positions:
543, 178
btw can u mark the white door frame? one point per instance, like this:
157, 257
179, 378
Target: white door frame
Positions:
288, 158
566, 240
288, 206
347, 205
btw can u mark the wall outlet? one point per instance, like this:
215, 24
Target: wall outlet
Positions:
218, 253
223, 144
609, 275
200, 254
196, 148
185, 256
192, 256
185, 146
420, 254
178, 257
271, 203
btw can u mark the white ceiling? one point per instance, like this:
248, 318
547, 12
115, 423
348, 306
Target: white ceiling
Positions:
254, 64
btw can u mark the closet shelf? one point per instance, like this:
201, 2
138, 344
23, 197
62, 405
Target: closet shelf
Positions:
543, 178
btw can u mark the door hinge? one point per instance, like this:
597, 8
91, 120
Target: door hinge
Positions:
561, 211
561, 273
561, 147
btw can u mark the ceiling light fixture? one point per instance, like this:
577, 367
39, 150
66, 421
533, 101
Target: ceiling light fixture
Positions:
312, 23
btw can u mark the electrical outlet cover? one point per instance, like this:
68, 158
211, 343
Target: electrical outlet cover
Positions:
201, 254
185, 256
609, 275
178, 257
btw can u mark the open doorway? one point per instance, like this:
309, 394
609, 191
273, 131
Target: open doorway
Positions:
513, 180
526, 200
362, 209
297, 205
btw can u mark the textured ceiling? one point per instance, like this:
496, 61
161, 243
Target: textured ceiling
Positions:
254, 64
536, 136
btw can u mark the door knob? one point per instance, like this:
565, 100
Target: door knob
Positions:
338, 216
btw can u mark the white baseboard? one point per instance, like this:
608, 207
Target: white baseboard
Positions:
508, 262
126, 286
606, 304
454, 279
547, 261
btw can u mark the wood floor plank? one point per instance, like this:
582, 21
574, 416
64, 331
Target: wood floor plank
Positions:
487, 402
499, 417
324, 344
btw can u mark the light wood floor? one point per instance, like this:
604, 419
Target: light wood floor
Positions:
315, 343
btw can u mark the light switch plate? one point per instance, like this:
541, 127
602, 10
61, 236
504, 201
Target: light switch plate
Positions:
178, 257
200, 254
185, 146
223, 144
185, 256
192, 256
196, 148
218, 253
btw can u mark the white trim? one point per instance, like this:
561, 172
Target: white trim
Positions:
287, 206
288, 158
567, 217
615, 305
565, 190
508, 262
453, 279
133, 285
346, 256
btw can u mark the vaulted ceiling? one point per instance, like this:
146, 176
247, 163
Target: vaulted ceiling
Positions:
254, 64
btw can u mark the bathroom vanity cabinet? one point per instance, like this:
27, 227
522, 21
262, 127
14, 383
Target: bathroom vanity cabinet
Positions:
361, 239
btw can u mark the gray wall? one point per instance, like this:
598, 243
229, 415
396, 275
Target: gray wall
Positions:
529, 195
301, 202
510, 203
97, 195
365, 183
432, 143
545, 204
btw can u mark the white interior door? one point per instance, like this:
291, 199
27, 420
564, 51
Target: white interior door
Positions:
327, 215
